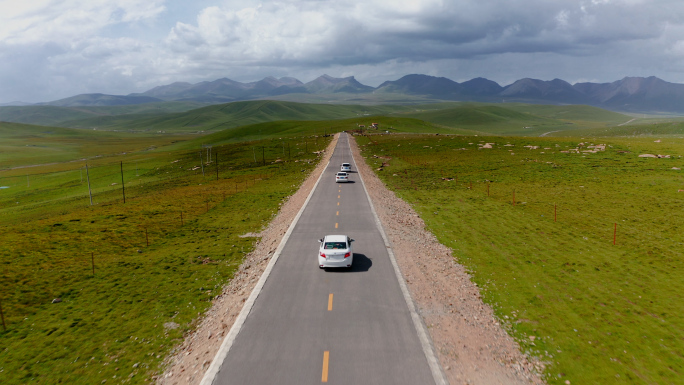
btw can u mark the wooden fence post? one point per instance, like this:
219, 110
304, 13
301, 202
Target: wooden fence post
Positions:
554, 212
90, 192
123, 189
92, 261
615, 234
2, 316
513, 197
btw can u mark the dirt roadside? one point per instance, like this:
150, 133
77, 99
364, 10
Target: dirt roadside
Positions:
470, 344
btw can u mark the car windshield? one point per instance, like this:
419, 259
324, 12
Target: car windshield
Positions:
335, 245
341, 174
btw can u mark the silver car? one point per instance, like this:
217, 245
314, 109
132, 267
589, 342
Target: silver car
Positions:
342, 177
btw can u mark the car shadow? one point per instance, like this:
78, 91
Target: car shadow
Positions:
360, 264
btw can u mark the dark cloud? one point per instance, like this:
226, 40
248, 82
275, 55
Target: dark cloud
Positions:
375, 40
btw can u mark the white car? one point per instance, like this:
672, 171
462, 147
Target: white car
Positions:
345, 167
341, 177
335, 251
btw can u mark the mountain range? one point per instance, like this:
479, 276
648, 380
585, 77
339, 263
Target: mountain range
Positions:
631, 94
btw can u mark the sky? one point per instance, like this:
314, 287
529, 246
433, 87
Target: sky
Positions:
52, 49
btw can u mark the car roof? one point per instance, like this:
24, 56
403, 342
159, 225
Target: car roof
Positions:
335, 238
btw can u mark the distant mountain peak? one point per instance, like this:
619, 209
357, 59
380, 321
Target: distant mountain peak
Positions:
639, 94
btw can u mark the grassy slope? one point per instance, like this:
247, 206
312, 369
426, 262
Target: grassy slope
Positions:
219, 117
600, 313
119, 324
87, 117
518, 119
497, 119
664, 129
285, 129
23, 144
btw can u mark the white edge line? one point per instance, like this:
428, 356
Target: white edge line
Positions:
215, 366
421, 329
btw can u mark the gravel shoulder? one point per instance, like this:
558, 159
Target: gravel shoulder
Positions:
469, 341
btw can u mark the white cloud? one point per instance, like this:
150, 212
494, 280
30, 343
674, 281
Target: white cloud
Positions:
116, 46
68, 20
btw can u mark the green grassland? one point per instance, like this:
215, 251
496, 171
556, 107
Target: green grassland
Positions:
89, 117
671, 128
518, 119
176, 117
599, 313
550, 278
119, 323
24, 145
231, 115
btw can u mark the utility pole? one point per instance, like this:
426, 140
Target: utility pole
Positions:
254, 154
201, 163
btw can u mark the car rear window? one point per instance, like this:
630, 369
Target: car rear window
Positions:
335, 245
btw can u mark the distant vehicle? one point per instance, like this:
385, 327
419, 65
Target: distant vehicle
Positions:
342, 177
335, 251
345, 167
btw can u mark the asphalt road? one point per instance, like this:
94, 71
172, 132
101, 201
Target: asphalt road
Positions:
311, 326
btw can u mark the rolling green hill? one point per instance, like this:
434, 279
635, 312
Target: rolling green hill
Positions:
23, 144
290, 128
219, 117
519, 119
89, 117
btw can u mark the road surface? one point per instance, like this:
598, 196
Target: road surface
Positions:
311, 326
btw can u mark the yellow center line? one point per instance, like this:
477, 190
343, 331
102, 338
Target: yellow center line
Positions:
338, 197
335, 225
339, 190
338, 203
338, 213
326, 357
330, 298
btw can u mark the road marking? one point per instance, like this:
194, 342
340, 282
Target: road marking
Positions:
227, 343
338, 197
335, 225
326, 357
339, 190
330, 298
338, 213
338, 203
